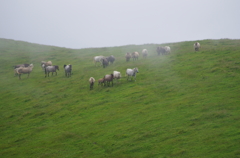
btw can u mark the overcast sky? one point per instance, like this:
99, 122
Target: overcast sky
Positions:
105, 23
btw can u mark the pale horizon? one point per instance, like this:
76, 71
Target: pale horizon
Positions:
93, 24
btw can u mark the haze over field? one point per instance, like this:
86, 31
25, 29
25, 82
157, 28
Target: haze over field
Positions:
82, 24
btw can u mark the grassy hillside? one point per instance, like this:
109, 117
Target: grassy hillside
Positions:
182, 105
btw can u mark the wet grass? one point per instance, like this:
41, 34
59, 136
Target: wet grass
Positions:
185, 104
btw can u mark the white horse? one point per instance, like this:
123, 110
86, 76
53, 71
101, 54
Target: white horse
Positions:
98, 59
167, 49
144, 52
116, 75
132, 73
196, 46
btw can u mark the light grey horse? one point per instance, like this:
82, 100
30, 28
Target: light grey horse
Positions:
98, 59
52, 69
132, 73
68, 70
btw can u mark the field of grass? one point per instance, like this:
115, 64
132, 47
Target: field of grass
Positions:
186, 104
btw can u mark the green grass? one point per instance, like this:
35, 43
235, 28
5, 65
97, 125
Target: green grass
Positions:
185, 104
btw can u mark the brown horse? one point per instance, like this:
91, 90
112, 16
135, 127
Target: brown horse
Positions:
107, 79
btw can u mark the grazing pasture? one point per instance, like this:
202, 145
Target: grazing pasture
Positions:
183, 104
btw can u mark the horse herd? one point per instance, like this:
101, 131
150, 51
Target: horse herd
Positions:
46, 66
103, 61
108, 79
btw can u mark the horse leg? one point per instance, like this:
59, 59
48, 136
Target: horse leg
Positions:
19, 76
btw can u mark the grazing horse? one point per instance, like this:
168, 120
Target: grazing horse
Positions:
91, 81
24, 70
107, 79
132, 72
52, 69
68, 70
144, 53
105, 62
135, 55
98, 59
196, 46
128, 56
44, 64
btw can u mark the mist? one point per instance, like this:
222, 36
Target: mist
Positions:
85, 24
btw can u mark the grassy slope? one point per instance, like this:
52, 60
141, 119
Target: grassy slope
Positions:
182, 105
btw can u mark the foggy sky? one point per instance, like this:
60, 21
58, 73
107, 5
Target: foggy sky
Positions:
105, 23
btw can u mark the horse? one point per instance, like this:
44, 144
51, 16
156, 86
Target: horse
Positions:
135, 55
91, 81
68, 70
132, 72
44, 64
107, 79
196, 46
98, 59
17, 66
144, 53
128, 56
100, 81
111, 59
161, 50
116, 75
105, 62
24, 70
52, 69
167, 49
